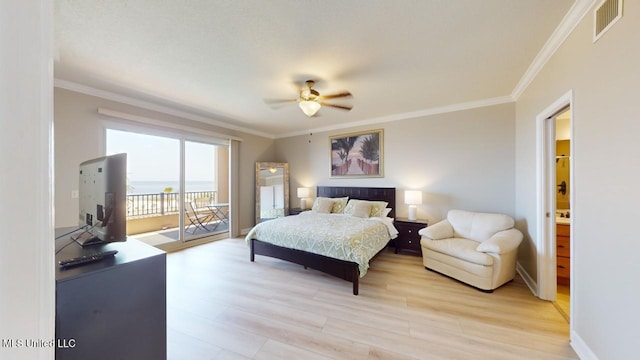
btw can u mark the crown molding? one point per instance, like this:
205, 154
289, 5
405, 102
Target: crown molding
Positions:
573, 17
409, 115
83, 89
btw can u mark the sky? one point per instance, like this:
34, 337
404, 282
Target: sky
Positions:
154, 158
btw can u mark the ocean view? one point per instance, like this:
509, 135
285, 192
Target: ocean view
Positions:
156, 187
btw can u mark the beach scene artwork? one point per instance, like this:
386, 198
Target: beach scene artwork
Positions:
357, 154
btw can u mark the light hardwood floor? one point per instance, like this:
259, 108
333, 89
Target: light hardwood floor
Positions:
563, 302
222, 306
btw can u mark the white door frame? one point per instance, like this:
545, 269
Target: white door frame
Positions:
546, 201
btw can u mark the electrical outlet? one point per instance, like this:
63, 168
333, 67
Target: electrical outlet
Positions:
74, 194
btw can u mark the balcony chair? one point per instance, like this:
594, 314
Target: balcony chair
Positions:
196, 219
479, 249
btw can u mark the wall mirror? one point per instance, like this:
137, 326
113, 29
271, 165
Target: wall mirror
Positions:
272, 190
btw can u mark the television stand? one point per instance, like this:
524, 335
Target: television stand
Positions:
112, 309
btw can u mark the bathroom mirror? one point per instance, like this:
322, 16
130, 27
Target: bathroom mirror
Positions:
272, 190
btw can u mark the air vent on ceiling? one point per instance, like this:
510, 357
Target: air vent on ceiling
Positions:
605, 15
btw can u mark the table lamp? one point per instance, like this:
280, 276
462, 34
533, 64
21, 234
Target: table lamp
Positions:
303, 194
412, 198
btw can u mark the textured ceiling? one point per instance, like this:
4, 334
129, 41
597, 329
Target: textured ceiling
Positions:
221, 59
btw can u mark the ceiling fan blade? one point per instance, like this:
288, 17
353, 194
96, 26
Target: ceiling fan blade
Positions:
276, 104
341, 107
336, 95
279, 101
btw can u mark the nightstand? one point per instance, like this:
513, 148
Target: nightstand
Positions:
408, 239
295, 211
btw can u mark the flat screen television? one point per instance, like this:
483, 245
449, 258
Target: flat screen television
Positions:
102, 196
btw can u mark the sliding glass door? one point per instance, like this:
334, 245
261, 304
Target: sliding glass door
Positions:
207, 205
177, 188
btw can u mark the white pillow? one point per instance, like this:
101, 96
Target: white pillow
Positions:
362, 210
324, 205
316, 203
350, 206
377, 207
385, 212
338, 204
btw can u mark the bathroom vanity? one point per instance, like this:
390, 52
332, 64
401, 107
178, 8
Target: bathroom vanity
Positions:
563, 252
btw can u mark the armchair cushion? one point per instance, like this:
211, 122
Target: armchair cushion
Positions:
463, 249
478, 226
437, 231
502, 242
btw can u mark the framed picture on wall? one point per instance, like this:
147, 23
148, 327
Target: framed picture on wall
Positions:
357, 155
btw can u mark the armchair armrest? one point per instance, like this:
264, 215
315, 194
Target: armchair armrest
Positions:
501, 242
438, 231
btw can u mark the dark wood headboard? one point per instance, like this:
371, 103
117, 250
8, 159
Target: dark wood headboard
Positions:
361, 193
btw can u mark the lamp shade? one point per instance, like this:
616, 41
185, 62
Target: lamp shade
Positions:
309, 108
303, 192
413, 197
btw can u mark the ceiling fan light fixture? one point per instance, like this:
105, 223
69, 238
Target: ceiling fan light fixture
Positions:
309, 108
310, 100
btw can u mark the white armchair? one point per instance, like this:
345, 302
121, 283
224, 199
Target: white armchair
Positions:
479, 249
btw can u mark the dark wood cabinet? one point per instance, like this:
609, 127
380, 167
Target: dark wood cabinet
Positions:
562, 251
114, 308
408, 240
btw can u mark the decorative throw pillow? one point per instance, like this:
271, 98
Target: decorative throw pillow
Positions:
362, 209
339, 204
377, 207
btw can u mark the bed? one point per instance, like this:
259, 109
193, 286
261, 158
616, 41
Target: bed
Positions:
341, 262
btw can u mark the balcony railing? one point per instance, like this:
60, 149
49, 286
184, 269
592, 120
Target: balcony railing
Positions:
164, 203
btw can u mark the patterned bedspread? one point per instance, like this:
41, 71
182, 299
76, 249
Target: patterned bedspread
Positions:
334, 235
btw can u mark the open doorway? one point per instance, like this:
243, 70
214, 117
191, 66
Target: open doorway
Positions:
555, 203
563, 213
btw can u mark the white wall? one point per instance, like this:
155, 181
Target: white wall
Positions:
604, 77
463, 159
79, 136
27, 283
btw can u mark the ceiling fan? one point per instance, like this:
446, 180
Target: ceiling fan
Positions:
310, 100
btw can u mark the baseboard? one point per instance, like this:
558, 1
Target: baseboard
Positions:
179, 245
533, 286
581, 348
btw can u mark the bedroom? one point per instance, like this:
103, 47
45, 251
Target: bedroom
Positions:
573, 66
